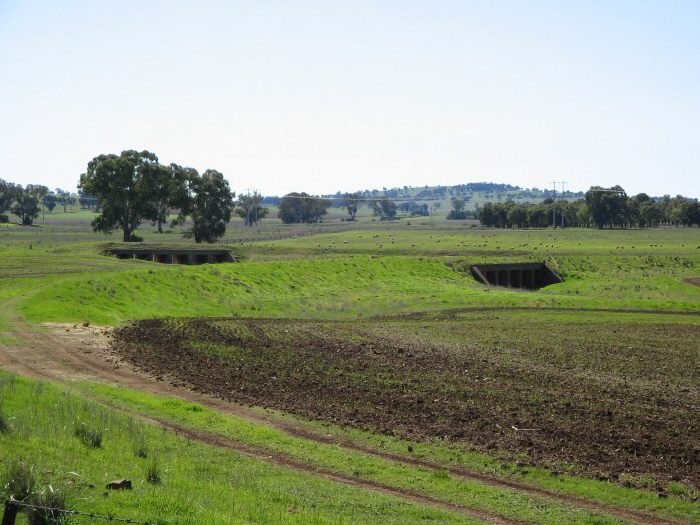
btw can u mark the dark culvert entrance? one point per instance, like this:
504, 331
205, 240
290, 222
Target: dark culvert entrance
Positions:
173, 255
530, 276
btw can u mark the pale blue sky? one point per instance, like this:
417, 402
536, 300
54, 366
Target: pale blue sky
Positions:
325, 96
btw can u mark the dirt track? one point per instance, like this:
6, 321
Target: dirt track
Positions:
75, 352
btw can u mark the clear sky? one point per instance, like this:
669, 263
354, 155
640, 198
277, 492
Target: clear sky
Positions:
321, 96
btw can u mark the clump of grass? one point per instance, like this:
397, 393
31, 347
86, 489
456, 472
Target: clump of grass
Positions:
88, 437
4, 423
55, 503
18, 481
140, 446
680, 490
153, 475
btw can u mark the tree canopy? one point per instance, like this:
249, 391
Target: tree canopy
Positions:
607, 206
352, 202
207, 200
302, 207
249, 208
160, 186
26, 206
602, 208
120, 183
384, 208
7, 196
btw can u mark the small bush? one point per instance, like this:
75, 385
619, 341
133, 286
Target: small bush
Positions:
18, 481
4, 424
153, 472
90, 438
56, 503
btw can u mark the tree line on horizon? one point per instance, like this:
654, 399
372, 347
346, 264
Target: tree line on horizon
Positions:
27, 202
600, 208
133, 187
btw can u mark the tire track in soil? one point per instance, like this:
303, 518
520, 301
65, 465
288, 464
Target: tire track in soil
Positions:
53, 358
286, 461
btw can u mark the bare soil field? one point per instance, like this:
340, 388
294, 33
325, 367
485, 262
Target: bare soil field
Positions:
70, 351
565, 401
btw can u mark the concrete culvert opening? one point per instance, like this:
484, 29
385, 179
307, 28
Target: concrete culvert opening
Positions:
530, 276
173, 255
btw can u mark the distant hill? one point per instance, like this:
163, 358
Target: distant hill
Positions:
474, 193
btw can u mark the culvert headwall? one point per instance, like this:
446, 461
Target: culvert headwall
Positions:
174, 256
516, 275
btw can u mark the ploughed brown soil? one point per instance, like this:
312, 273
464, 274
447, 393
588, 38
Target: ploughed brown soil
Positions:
606, 398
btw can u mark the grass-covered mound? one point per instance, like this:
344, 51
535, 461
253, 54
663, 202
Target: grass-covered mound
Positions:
350, 287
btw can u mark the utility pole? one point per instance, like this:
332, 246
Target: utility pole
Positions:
554, 206
554, 203
562, 194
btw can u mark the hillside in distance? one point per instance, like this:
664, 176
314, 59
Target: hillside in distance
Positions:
474, 194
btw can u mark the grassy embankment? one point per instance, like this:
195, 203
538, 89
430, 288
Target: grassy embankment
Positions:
339, 280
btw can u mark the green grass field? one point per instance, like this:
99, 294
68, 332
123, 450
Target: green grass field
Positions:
56, 271
199, 483
346, 275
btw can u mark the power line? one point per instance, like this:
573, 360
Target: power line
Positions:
358, 199
563, 190
554, 203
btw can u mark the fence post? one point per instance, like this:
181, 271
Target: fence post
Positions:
10, 514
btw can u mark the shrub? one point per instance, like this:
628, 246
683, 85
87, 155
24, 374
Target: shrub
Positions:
18, 481
4, 424
90, 438
56, 504
153, 472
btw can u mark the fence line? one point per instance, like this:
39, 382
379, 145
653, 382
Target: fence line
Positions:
15, 503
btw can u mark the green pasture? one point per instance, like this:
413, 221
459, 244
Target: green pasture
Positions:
349, 274
55, 271
438, 484
453, 238
199, 483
